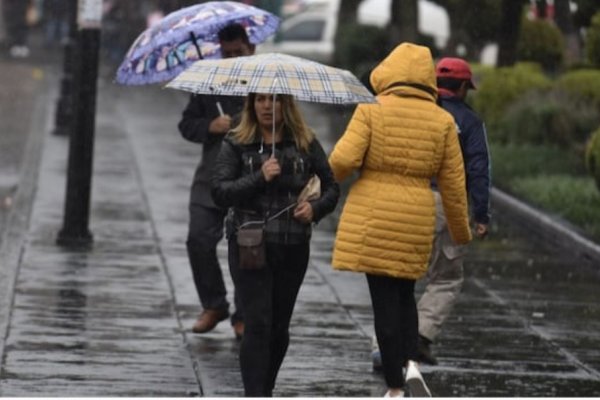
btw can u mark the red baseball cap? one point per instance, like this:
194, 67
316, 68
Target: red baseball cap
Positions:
456, 68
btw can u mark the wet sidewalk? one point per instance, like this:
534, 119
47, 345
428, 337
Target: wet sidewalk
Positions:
115, 320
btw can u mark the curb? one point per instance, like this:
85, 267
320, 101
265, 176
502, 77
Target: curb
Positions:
551, 230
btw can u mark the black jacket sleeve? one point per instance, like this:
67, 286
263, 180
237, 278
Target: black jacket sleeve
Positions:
228, 187
477, 169
195, 121
330, 190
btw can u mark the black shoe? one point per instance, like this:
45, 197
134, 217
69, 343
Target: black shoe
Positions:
238, 329
376, 359
424, 355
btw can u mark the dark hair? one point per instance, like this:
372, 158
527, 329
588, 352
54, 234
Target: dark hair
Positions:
365, 79
233, 32
452, 84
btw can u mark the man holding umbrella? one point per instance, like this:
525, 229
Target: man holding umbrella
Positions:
206, 120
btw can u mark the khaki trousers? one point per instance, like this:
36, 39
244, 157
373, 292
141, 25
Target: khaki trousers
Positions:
444, 278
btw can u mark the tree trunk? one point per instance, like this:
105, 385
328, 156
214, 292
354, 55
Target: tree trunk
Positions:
564, 21
508, 36
404, 22
541, 8
348, 11
347, 15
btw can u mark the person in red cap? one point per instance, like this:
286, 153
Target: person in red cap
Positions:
445, 273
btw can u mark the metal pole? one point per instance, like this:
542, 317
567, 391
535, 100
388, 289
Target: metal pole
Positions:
75, 231
63, 122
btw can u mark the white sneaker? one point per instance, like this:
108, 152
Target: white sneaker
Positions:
15, 51
19, 51
415, 382
389, 393
24, 51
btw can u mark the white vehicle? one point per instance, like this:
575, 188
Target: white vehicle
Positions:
311, 32
433, 19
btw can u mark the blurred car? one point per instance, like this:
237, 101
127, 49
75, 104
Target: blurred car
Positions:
310, 32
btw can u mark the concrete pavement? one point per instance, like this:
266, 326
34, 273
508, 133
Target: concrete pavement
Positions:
115, 320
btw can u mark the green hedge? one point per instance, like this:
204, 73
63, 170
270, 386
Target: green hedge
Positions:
592, 42
550, 117
592, 157
512, 161
550, 178
497, 90
572, 198
541, 42
584, 83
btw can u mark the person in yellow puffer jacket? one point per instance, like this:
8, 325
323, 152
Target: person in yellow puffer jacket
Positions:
387, 225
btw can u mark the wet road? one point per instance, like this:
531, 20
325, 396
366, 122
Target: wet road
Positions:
25, 80
116, 321
527, 324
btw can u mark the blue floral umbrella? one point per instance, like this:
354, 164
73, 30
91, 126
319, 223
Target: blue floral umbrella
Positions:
184, 36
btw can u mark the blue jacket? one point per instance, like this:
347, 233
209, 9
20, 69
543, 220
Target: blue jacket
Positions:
473, 142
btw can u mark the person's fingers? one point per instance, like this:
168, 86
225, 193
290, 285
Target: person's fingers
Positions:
481, 230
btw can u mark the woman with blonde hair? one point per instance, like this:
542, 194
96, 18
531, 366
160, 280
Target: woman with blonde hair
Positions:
262, 167
387, 225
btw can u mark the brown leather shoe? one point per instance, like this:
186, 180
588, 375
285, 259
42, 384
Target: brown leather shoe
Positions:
238, 329
208, 319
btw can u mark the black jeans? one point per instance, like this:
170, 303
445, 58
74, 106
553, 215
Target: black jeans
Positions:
396, 324
205, 232
269, 296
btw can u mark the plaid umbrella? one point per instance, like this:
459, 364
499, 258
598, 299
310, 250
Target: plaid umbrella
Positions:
273, 73
184, 36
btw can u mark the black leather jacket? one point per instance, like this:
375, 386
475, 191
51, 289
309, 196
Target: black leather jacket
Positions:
237, 181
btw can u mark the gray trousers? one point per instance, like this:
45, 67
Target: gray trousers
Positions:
444, 278
205, 232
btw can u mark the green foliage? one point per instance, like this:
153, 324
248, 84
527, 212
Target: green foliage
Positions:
585, 10
360, 47
512, 161
550, 117
592, 156
496, 91
541, 42
551, 178
583, 83
575, 199
592, 43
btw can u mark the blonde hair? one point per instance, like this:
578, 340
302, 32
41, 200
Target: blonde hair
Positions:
292, 120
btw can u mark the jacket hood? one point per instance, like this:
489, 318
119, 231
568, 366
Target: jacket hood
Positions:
408, 68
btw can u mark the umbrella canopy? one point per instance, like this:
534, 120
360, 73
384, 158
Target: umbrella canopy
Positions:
184, 36
273, 73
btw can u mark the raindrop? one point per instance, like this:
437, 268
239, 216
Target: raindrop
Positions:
530, 262
7, 202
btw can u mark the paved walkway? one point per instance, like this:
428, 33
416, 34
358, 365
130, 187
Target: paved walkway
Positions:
115, 320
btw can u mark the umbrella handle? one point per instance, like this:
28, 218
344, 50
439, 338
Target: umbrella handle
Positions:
273, 144
195, 42
275, 82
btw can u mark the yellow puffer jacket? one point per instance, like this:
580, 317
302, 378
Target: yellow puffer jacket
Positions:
398, 145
